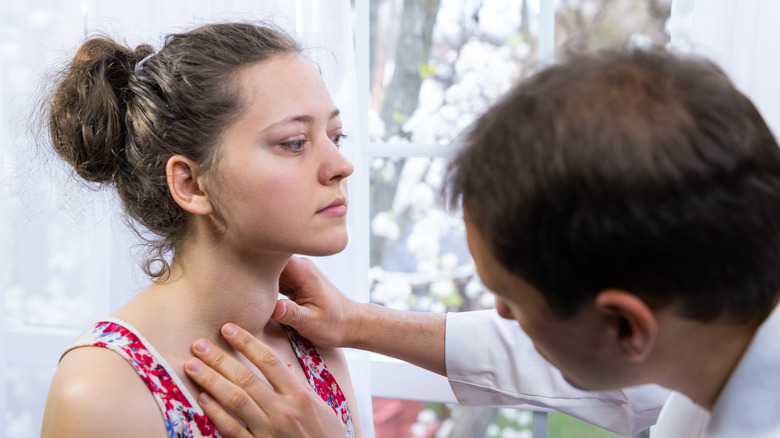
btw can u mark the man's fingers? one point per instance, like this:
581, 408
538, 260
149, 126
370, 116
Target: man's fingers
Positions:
288, 291
296, 272
287, 312
262, 356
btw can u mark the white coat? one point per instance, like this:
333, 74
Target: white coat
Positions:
492, 362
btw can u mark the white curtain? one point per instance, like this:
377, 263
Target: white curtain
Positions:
741, 36
66, 256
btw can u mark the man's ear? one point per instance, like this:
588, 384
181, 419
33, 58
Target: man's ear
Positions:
184, 182
636, 327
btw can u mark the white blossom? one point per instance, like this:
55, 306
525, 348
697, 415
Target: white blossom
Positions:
426, 416
445, 429
422, 197
376, 127
393, 291
424, 241
448, 261
474, 287
383, 225
487, 300
442, 288
438, 307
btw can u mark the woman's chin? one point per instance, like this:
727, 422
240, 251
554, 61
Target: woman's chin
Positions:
328, 248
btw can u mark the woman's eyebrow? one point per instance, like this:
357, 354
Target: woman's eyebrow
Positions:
303, 118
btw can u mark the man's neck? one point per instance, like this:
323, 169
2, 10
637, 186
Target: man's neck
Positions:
697, 358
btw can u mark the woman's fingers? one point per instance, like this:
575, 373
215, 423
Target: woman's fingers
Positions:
218, 373
283, 408
227, 425
263, 357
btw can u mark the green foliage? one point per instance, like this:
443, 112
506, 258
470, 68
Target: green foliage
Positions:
426, 70
563, 426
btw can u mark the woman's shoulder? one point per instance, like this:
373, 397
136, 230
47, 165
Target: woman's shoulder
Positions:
96, 393
336, 362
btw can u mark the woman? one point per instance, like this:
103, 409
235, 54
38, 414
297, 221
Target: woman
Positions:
224, 145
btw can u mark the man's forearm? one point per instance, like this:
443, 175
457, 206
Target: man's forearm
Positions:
414, 337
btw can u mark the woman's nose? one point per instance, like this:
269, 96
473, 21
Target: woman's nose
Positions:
336, 166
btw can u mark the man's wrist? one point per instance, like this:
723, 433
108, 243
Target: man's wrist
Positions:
358, 330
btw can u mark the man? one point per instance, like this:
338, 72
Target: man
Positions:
624, 208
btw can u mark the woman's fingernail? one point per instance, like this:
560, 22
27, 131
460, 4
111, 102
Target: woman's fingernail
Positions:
204, 398
229, 329
201, 346
194, 365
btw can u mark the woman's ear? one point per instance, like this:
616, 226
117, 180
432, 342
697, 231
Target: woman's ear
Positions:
184, 182
636, 327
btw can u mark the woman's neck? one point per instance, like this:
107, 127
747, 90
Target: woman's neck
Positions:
228, 285
205, 288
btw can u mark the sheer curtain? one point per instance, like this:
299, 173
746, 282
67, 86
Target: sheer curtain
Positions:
741, 36
67, 258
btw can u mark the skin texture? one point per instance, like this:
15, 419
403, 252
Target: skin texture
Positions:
278, 170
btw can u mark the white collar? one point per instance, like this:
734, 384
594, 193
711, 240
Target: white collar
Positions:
749, 404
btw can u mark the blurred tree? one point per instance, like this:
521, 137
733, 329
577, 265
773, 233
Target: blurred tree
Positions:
411, 56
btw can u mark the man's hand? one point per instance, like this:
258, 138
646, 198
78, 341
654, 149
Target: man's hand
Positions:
317, 309
321, 313
281, 407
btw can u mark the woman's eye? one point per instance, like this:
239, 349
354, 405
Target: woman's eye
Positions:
295, 145
338, 138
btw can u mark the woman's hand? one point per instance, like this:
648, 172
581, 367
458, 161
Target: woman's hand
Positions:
282, 407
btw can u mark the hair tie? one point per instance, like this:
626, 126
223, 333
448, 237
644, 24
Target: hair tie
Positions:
140, 65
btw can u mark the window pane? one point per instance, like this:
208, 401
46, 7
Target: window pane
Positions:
605, 23
419, 256
395, 418
435, 65
414, 419
27, 388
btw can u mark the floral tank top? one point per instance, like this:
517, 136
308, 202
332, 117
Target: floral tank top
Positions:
183, 416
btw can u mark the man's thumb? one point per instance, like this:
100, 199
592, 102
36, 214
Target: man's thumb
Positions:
286, 312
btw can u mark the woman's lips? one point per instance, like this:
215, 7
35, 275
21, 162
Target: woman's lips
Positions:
338, 208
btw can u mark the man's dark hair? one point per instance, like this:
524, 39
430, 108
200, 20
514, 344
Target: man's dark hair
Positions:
638, 170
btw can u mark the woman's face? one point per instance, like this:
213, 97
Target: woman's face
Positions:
279, 184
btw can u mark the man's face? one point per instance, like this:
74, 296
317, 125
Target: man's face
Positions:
580, 346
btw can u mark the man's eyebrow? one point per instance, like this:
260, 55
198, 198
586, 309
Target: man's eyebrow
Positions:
303, 118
